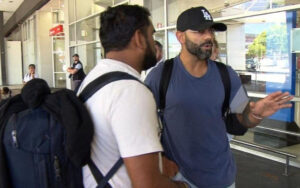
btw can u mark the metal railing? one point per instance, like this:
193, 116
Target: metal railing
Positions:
287, 155
279, 131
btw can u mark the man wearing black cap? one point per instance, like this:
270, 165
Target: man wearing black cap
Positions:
76, 72
194, 134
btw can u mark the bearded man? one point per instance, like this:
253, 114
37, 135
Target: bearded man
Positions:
194, 134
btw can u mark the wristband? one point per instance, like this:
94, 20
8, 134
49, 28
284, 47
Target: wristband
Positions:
256, 116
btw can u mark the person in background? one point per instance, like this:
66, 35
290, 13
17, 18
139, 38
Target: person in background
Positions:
159, 52
124, 111
5, 94
215, 51
31, 74
76, 72
159, 58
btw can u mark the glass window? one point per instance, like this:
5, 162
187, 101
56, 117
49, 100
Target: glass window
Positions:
72, 52
258, 49
118, 2
58, 17
175, 7
174, 46
249, 7
221, 39
58, 54
103, 3
58, 44
156, 8
88, 30
89, 55
60, 80
72, 35
59, 62
160, 37
259, 46
31, 29
89, 7
71, 7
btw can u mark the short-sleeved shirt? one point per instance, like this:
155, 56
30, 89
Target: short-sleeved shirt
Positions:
29, 77
78, 66
125, 120
196, 130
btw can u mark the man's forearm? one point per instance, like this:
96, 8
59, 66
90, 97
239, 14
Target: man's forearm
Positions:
248, 118
72, 70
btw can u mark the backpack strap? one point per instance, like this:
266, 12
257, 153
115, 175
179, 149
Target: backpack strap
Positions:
101, 180
103, 80
87, 92
164, 83
227, 86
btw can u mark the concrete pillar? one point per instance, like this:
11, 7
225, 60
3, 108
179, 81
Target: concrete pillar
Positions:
2, 50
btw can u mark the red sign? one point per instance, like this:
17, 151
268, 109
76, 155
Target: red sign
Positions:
56, 30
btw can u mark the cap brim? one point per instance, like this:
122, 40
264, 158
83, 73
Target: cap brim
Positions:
219, 26
214, 25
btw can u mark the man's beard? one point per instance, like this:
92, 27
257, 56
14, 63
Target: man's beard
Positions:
197, 49
149, 58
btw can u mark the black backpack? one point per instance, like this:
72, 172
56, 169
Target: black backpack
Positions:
233, 126
46, 137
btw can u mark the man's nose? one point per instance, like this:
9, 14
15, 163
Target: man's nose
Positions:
208, 34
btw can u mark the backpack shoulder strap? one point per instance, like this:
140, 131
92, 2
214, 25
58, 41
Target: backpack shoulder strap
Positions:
164, 82
227, 85
103, 80
87, 92
101, 180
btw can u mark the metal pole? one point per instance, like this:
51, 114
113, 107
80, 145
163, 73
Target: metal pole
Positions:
287, 164
2, 50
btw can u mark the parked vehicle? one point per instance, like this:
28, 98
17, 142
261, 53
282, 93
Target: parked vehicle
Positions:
250, 65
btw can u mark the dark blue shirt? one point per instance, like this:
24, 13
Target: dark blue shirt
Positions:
196, 130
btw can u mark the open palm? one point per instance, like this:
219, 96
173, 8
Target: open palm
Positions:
271, 104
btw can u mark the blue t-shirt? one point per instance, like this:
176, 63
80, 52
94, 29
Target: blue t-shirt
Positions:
196, 130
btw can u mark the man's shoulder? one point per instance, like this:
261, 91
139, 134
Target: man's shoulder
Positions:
156, 72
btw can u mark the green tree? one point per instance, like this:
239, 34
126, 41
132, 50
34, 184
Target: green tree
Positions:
258, 47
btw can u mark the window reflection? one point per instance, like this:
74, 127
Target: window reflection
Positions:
89, 55
174, 46
88, 30
89, 7
156, 8
160, 37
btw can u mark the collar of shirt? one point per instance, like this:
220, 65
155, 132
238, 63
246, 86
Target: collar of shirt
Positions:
122, 65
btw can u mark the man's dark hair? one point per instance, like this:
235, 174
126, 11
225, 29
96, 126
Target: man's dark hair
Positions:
118, 25
31, 65
157, 43
75, 55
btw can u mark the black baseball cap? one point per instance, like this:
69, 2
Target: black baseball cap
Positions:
196, 19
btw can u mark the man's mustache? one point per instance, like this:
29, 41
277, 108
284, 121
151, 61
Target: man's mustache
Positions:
206, 43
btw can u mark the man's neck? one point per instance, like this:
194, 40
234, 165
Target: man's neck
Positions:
125, 57
193, 65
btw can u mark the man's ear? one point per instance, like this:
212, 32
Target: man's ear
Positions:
139, 40
180, 37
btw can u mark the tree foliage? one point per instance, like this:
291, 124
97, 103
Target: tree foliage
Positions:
258, 47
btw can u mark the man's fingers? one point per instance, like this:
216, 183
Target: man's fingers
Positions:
285, 99
278, 96
274, 95
286, 105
